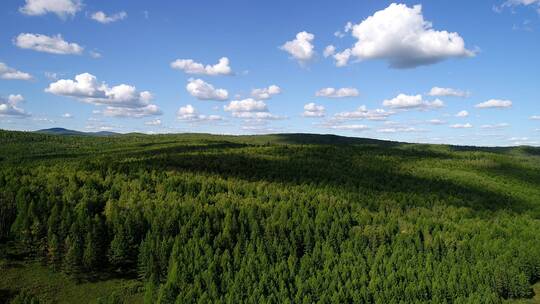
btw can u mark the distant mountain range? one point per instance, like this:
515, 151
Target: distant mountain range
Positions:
62, 131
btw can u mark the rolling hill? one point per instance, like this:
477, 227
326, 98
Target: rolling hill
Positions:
283, 218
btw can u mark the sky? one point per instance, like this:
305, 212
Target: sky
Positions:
452, 72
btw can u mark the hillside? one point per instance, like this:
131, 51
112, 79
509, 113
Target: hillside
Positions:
284, 218
63, 131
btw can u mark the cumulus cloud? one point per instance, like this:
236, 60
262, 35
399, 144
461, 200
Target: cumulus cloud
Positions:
9, 107
346, 29
61, 8
535, 117
250, 109
461, 126
7, 72
155, 122
462, 114
265, 93
437, 91
43, 43
342, 58
101, 17
363, 113
400, 35
205, 91
313, 110
121, 101
329, 50
337, 93
403, 101
436, 122
494, 103
246, 105
189, 66
189, 113
300, 48
67, 115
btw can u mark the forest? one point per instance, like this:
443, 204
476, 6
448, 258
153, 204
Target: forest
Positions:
285, 218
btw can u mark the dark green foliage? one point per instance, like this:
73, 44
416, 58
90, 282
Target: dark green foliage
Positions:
278, 219
25, 297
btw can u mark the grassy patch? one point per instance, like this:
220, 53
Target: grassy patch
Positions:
56, 287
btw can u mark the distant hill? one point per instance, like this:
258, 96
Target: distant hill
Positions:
63, 131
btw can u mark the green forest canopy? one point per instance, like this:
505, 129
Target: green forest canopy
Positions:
287, 218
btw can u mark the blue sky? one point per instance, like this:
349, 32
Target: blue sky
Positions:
399, 71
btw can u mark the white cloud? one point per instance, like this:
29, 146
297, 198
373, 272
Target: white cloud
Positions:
148, 110
400, 130
352, 127
61, 8
43, 119
519, 141
257, 116
205, 91
462, 114
342, 58
189, 113
189, 66
100, 126
121, 101
313, 110
535, 117
495, 126
155, 122
518, 138
513, 3
461, 126
67, 115
494, 103
436, 122
437, 91
346, 29
265, 93
337, 93
101, 17
363, 113
400, 35
339, 34
246, 105
300, 48
7, 72
329, 50
403, 101
95, 54
10, 107
250, 109
261, 129
43, 43
51, 75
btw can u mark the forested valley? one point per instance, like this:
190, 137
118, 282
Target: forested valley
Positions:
288, 218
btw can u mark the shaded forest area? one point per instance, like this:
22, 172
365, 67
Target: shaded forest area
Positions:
289, 218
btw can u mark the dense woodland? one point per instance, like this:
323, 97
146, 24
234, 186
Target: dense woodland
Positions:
291, 218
